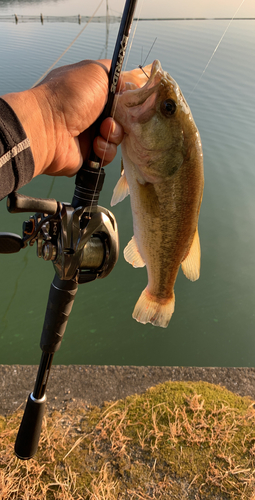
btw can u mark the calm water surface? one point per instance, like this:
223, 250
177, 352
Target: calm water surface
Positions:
214, 320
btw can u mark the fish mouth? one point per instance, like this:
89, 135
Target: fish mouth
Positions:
156, 71
138, 95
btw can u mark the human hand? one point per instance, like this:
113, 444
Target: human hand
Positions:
58, 115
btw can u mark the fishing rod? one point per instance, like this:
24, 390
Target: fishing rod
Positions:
81, 239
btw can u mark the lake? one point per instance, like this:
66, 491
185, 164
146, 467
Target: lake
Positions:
214, 319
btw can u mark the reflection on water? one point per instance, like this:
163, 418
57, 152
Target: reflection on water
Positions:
214, 320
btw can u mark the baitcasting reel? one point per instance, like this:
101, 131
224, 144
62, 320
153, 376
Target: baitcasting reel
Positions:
82, 242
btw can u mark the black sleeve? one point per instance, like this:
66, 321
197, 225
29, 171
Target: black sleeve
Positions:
16, 159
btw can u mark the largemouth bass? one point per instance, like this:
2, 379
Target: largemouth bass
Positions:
163, 173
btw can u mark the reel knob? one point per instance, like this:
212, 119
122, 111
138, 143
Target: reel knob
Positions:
10, 243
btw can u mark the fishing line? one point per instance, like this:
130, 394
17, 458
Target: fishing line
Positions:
126, 60
216, 48
69, 46
140, 66
115, 106
149, 52
52, 66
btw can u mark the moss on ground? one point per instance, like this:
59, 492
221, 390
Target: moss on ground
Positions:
178, 440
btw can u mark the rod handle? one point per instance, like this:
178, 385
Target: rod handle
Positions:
60, 302
30, 428
88, 184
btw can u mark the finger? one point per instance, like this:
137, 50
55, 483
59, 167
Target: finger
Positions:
85, 141
105, 62
105, 150
111, 131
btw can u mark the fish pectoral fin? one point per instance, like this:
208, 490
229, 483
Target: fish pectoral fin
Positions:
121, 190
132, 254
150, 309
191, 264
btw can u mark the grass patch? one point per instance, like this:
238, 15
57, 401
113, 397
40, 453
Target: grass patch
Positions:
178, 440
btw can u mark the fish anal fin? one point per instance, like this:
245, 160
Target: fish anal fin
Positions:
149, 309
191, 264
121, 190
132, 254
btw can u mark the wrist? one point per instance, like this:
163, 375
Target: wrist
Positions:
34, 113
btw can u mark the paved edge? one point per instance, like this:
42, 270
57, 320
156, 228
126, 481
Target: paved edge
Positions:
93, 385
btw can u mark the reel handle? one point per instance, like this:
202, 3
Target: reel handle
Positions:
18, 203
10, 243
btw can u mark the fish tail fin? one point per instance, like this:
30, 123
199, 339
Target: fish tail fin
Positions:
149, 309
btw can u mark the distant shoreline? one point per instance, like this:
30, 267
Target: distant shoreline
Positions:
77, 18
93, 384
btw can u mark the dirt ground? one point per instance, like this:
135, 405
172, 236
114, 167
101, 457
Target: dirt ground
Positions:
82, 385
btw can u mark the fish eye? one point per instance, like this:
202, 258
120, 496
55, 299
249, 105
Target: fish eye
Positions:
168, 107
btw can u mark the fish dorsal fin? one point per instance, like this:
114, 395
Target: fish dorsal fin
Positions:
191, 264
121, 189
132, 254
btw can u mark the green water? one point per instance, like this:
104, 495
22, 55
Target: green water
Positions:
214, 320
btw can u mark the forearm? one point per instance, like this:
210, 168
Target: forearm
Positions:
33, 111
16, 160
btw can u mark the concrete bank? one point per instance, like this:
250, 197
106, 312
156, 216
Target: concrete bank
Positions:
96, 384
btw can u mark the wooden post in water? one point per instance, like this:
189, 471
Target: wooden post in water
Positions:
41, 17
79, 18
